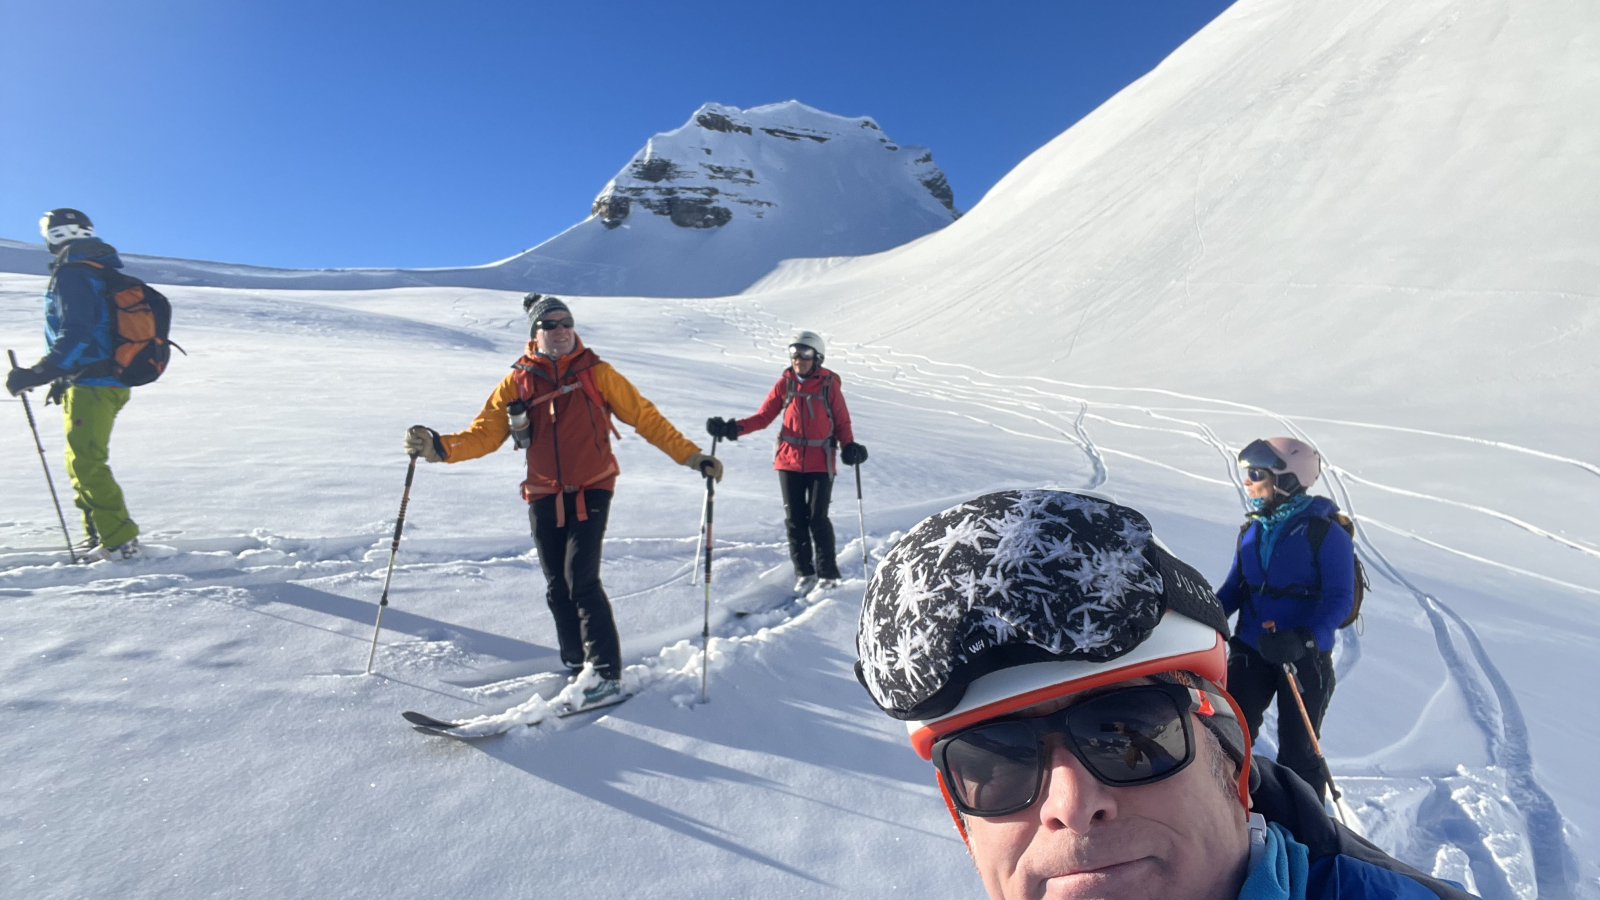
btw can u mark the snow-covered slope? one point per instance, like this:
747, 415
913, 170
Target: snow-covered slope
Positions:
1378, 204
1266, 235
703, 210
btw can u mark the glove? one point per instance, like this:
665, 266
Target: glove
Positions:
424, 442
705, 465
42, 372
853, 454
58, 389
723, 428
1284, 647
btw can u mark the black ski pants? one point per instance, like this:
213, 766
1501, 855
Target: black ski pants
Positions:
805, 507
1253, 682
570, 557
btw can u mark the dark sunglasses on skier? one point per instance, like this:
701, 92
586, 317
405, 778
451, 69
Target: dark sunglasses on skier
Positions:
553, 324
801, 352
1254, 475
1127, 737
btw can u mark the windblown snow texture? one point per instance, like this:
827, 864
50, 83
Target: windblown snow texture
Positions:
1011, 578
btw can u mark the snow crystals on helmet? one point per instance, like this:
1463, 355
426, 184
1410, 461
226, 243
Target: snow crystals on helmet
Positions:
1013, 578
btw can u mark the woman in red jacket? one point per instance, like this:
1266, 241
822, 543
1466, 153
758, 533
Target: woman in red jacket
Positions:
815, 421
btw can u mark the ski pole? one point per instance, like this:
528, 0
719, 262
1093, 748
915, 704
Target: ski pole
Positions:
861, 516
73, 554
394, 548
705, 627
694, 573
1305, 719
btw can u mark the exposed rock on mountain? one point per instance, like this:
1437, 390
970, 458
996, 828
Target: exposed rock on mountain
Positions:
705, 209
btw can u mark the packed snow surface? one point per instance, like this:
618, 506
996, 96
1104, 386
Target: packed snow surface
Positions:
1368, 224
703, 210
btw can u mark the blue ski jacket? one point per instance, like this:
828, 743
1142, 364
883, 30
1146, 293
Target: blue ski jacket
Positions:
1312, 857
1292, 588
77, 316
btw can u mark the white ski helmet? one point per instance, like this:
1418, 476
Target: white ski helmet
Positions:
58, 226
810, 339
1294, 464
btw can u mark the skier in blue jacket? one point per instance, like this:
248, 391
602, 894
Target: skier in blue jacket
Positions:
1292, 584
78, 331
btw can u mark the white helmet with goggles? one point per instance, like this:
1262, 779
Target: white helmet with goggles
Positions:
1294, 464
811, 340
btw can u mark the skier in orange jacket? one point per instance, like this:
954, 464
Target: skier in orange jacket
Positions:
567, 396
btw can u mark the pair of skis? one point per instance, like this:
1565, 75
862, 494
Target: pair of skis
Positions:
464, 730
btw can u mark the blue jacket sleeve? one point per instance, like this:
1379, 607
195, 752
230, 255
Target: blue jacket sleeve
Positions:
1337, 563
82, 310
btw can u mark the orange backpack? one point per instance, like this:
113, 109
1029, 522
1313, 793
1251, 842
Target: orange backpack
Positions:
141, 320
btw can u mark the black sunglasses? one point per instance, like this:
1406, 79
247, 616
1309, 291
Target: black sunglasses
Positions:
553, 324
1127, 737
1253, 474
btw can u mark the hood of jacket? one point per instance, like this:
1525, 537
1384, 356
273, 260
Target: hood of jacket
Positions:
82, 249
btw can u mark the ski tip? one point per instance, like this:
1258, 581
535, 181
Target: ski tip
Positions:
422, 720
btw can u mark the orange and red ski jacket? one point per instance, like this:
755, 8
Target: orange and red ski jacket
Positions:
570, 404
815, 420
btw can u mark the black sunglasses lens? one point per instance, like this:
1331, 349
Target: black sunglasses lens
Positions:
994, 769
1130, 736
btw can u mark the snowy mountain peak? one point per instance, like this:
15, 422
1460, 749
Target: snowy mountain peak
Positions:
706, 209
728, 164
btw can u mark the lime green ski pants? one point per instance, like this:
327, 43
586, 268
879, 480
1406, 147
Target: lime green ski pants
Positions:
89, 413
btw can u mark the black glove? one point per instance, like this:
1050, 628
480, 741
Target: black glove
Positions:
853, 454
1282, 647
41, 372
58, 389
723, 428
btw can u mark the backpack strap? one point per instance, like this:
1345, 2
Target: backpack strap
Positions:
791, 391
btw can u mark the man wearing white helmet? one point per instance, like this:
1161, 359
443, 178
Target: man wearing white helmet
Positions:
815, 422
1292, 584
1062, 671
80, 334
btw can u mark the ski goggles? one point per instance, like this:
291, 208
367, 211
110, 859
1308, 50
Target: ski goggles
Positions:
799, 351
1258, 454
1132, 736
553, 324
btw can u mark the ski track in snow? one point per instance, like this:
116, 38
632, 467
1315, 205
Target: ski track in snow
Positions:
985, 397
1032, 408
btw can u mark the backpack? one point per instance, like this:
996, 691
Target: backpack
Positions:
141, 320
1316, 533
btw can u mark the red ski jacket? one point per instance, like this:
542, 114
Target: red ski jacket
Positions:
815, 420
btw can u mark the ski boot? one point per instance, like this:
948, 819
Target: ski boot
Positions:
126, 551
602, 691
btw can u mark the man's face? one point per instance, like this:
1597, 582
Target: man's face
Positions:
556, 342
1182, 838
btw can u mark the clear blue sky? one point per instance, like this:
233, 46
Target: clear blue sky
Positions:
292, 133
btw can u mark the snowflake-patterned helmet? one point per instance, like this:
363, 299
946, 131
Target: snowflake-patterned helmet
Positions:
1018, 597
